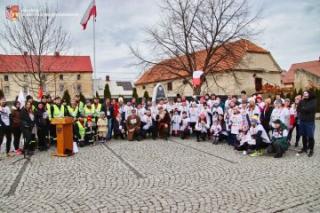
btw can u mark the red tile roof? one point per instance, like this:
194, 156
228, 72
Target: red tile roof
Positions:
67, 64
312, 67
161, 72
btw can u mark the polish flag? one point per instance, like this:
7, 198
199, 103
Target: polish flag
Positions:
91, 11
196, 78
40, 93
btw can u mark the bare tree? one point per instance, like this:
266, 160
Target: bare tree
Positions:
196, 35
34, 36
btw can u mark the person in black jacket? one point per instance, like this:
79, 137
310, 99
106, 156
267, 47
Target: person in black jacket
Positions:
307, 110
108, 109
42, 122
27, 125
265, 116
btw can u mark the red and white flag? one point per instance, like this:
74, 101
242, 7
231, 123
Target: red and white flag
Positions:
91, 11
196, 78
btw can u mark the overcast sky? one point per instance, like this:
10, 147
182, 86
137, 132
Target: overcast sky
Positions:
291, 30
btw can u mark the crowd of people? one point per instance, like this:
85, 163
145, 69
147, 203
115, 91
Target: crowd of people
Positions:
252, 125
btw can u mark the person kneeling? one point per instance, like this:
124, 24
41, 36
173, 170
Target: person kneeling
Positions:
279, 142
257, 138
185, 128
202, 127
215, 131
133, 126
147, 125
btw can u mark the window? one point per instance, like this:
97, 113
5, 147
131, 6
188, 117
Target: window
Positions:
44, 77
258, 84
79, 88
169, 86
6, 90
61, 77
61, 87
143, 87
6, 78
25, 78
78, 77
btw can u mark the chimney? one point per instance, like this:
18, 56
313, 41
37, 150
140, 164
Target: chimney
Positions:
107, 78
25, 53
57, 54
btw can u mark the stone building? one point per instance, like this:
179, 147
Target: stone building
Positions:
303, 75
117, 88
249, 69
58, 73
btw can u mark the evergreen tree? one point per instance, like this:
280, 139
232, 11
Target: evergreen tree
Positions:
66, 97
82, 98
106, 92
146, 95
135, 94
1, 94
300, 92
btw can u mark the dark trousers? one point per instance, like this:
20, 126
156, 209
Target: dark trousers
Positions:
202, 135
16, 131
232, 139
5, 131
53, 134
151, 131
28, 139
42, 138
308, 143
276, 148
297, 133
185, 133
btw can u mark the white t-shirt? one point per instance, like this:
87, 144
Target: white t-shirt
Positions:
184, 123
5, 115
236, 121
256, 129
193, 114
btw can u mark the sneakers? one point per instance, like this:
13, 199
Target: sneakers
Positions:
9, 155
244, 153
19, 152
257, 153
302, 151
310, 153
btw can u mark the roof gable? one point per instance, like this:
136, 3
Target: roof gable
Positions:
312, 67
22, 64
223, 60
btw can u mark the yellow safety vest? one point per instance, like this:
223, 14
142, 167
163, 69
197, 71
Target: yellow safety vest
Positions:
97, 109
82, 130
73, 112
58, 113
88, 111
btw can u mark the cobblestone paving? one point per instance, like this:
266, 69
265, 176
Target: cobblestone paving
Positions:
161, 176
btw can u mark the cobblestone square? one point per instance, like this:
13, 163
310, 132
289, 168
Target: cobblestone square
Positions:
161, 176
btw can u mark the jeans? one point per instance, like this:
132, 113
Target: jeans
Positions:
110, 128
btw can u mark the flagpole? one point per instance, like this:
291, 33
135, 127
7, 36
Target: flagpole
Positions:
94, 53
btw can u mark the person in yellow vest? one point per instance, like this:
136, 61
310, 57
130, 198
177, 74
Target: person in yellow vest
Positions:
97, 108
57, 109
88, 109
51, 127
80, 103
73, 109
79, 132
